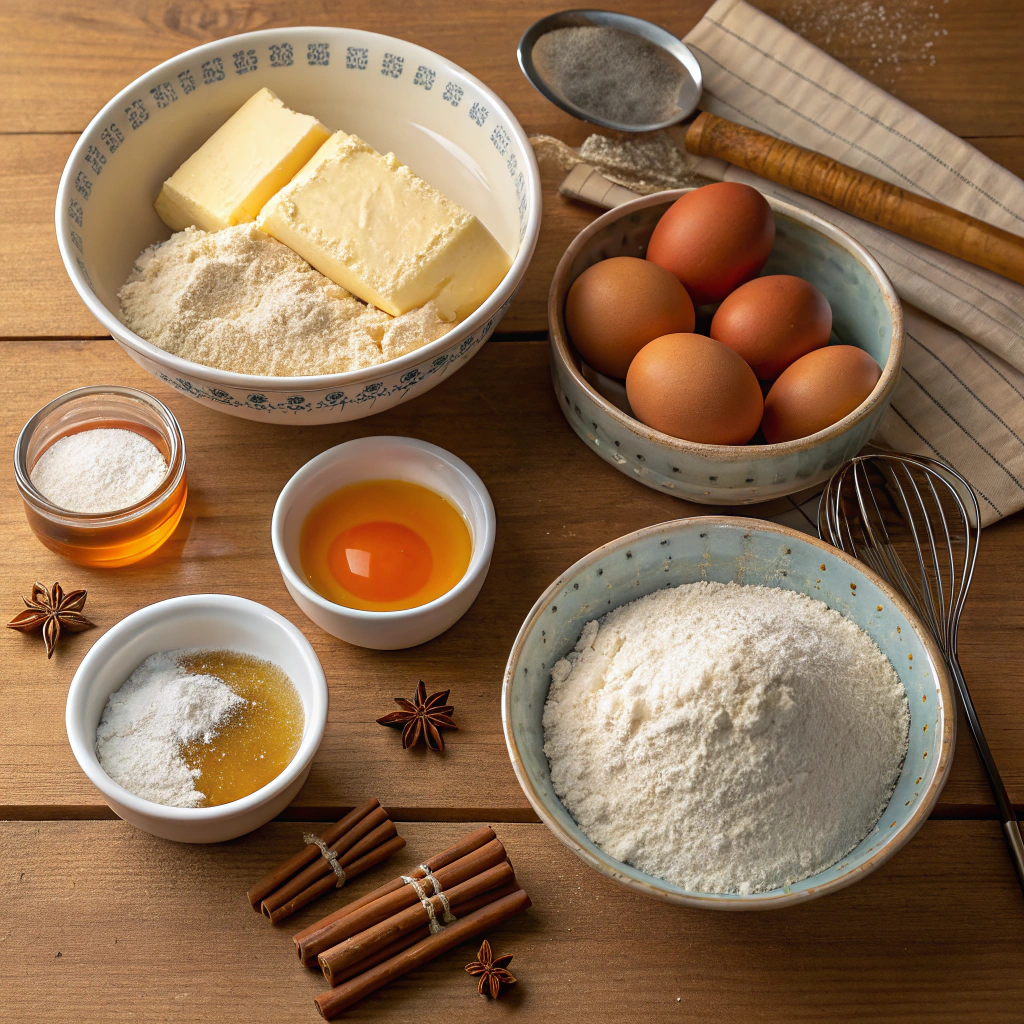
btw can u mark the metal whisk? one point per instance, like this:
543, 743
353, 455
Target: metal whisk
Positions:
916, 523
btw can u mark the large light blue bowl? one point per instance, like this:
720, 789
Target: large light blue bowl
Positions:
866, 312
748, 551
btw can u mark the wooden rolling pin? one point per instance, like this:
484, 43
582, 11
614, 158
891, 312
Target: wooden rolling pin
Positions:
859, 194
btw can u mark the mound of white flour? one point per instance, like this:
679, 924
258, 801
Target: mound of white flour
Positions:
240, 300
147, 722
726, 738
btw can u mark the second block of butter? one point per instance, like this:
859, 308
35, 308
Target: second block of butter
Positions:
229, 178
372, 226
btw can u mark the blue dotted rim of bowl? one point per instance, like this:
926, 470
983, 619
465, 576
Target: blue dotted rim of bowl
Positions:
836, 877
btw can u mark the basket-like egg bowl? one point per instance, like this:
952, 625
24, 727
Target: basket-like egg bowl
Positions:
444, 123
866, 312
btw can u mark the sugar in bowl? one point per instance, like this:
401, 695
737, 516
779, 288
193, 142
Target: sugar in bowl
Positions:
101, 471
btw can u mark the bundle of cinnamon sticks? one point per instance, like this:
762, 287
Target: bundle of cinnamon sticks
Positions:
360, 841
450, 898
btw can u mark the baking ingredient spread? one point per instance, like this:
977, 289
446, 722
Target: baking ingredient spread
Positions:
200, 728
726, 738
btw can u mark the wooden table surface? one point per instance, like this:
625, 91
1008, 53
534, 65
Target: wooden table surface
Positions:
103, 923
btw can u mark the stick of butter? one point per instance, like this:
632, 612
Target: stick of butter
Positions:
252, 155
372, 226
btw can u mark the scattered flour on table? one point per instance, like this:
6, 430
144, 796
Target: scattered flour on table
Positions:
880, 37
147, 722
724, 737
240, 300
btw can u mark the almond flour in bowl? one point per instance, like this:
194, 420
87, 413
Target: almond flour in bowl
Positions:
240, 300
726, 738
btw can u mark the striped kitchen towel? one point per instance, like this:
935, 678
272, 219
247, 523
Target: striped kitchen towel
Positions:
961, 395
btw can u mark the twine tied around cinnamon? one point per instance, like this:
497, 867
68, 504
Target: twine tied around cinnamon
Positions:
448, 917
329, 855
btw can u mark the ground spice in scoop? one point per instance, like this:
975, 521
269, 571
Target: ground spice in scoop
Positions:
615, 75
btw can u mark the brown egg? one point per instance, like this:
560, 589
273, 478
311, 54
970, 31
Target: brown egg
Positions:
819, 389
773, 321
696, 389
714, 238
618, 305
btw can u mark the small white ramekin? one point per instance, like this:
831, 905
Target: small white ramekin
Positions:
384, 458
215, 622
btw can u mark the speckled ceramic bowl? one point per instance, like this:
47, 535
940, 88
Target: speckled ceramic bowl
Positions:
754, 552
444, 123
865, 312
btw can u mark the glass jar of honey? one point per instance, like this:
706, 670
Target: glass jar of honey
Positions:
104, 539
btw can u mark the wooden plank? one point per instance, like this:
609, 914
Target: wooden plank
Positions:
103, 923
37, 298
61, 61
555, 501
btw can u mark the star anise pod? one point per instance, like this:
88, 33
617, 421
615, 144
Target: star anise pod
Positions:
52, 611
422, 718
492, 971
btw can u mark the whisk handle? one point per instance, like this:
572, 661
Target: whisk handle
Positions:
1011, 829
1007, 815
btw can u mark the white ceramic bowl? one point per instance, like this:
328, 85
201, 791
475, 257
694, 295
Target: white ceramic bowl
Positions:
445, 124
384, 458
212, 621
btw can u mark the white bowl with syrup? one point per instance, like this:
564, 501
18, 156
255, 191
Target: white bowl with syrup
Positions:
384, 458
213, 622
446, 125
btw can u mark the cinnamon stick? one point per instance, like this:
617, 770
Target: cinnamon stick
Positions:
281, 874
411, 938
367, 853
464, 846
342, 956
320, 867
339, 928
334, 1002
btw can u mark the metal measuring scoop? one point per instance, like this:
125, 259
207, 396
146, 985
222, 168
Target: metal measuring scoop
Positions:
812, 174
916, 523
691, 82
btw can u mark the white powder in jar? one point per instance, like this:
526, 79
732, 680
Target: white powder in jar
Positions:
99, 470
726, 738
146, 723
